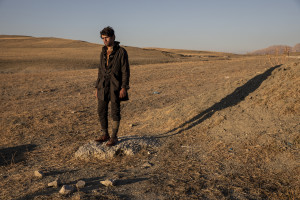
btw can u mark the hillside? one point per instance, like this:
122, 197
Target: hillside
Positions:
277, 49
226, 128
29, 54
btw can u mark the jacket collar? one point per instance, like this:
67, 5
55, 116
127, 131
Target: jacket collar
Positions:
116, 46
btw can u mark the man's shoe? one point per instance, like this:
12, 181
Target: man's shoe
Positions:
103, 138
112, 142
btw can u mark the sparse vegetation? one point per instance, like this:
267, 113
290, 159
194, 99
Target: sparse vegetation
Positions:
229, 126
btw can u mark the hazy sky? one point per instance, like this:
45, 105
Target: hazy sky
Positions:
218, 25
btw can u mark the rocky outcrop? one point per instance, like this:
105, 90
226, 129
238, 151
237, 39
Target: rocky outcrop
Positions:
126, 146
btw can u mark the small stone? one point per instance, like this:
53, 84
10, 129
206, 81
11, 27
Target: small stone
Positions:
147, 165
78, 196
55, 183
73, 111
80, 184
66, 189
96, 191
38, 174
132, 125
108, 182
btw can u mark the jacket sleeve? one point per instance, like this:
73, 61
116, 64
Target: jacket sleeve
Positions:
98, 79
125, 70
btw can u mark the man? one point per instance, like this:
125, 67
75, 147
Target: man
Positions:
112, 84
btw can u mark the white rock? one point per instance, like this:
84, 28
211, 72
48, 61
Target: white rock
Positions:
108, 182
66, 189
38, 174
55, 183
126, 146
80, 184
96, 191
78, 196
147, 165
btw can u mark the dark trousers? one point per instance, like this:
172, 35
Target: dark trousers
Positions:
103, 112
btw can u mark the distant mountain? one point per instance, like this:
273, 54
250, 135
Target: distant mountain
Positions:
296, 48
280, 49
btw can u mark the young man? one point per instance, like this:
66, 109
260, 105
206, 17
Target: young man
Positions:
112, 84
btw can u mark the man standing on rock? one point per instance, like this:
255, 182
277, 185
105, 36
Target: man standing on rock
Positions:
112, 84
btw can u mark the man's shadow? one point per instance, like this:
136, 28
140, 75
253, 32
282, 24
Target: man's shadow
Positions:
232, 99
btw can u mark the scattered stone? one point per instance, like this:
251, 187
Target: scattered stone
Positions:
78, 196
80, 184
108, 182
155, 92
96, 191
126, 146
55, 183
66, 189
38, 174
147, 165
73, 111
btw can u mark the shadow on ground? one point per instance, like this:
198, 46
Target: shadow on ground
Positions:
12, 155
130, 181
238, 95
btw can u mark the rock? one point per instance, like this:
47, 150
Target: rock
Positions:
38, 174
66, 189
80, 184
147, 165
55, 183
108, 182
126, 146
132, 125
96, 191
78, 196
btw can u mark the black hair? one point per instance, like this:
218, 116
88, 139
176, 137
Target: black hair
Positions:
108, 31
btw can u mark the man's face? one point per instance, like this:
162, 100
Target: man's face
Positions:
108, 41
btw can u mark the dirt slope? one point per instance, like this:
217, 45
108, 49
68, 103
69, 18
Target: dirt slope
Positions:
33, 54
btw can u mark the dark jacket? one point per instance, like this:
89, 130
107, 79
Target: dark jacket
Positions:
115, 76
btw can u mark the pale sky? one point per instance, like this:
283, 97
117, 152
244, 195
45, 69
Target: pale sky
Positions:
237, 26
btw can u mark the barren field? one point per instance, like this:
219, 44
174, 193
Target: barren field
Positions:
228, 124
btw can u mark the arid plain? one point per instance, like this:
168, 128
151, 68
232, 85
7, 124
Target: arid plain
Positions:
228, 124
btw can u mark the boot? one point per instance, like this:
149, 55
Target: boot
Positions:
114, 139
104, 136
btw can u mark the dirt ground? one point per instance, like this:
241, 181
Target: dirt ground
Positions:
229, 129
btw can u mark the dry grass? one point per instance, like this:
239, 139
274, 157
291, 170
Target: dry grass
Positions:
29, 54
229, 128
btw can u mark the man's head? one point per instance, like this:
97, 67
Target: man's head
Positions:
108, 36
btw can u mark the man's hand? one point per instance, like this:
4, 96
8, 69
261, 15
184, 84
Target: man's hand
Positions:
122, 93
